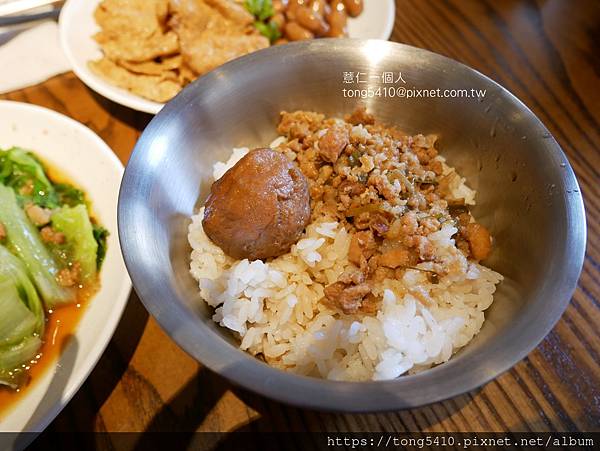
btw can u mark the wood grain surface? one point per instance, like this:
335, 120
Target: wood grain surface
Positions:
547, 52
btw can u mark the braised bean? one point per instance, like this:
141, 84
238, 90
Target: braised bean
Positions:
292, 6
337, 5
337, 19
279, 20
318, 7
306, 18
353, 7
337, 33
279, 5
295, 32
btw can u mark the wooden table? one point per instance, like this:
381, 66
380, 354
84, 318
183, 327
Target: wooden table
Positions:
547, 54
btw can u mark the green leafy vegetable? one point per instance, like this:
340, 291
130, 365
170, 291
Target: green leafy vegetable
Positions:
23, 237
69, 195
12, 357
12, 268
21, 321
261, 9
29, 267
16, 320
75, 224
268, 29
18, 166
101, 236
24, 173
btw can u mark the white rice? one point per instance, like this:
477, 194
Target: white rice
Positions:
275, 309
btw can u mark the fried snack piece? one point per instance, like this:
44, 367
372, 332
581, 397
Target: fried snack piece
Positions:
212, 32
231, 10
186, 75
133, 30
169, 42
132, 16
159, 88
152, 67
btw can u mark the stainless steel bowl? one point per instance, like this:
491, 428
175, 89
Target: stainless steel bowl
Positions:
528, 197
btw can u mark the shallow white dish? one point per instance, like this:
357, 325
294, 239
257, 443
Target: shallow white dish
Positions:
77, 26
83, 157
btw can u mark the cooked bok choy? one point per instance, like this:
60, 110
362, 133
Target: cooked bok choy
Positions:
21, 319
51, 252
24, 173
75, 224
25, 241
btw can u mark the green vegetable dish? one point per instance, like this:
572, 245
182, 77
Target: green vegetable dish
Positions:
263, 12
51, 252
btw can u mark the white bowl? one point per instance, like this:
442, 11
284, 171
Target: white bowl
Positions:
84, 158
77, 26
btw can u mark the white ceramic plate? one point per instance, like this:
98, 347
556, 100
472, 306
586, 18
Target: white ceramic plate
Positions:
85, 159
77, 26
